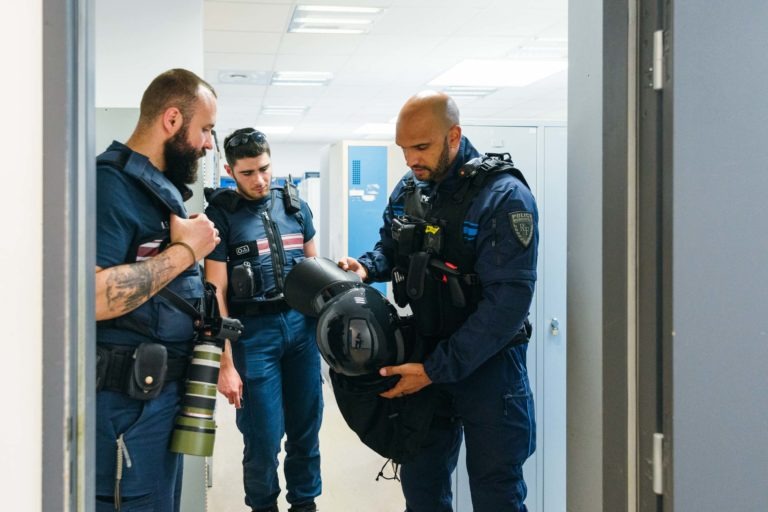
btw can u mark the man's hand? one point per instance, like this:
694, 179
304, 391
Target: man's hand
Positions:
352, 265
231, 385
197, 231
413, 378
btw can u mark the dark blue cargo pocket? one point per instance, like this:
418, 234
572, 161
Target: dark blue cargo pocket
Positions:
520, 415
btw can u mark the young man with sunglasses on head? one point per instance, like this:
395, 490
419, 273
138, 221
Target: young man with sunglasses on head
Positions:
272, 373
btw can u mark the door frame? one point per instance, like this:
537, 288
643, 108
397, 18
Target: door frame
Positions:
69, 193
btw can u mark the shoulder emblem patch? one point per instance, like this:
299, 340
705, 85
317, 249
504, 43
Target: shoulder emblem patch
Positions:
522, 226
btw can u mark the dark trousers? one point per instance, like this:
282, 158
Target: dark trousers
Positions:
279, 363
151, 475
495, 406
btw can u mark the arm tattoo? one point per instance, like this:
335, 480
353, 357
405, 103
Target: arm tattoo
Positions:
130, 286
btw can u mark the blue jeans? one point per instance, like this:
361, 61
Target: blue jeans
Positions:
279, 363
153, 480
495, 406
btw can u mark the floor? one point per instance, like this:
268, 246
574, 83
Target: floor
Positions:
349, 468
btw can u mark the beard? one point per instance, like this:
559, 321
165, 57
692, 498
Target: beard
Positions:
441, 169
437, 172
181, 159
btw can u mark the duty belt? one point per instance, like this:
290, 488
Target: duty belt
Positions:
266, 307
115, 362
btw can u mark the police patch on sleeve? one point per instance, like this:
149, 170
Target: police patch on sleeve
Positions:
522, 226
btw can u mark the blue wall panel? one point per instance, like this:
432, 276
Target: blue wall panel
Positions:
367, 182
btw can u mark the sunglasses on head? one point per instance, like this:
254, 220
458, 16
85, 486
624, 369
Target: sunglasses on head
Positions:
244, 138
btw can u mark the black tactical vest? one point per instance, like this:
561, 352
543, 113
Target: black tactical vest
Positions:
157, 319
434, 271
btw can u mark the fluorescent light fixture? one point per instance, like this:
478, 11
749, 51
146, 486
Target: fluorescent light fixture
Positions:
321, 30
339, 8
499, 73
377, 129
467, 91
276, 130
283, 110
332, 19
301, 78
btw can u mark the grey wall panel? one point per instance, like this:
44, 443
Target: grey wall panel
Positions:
114, 124
615, 249
585, 167
720, 339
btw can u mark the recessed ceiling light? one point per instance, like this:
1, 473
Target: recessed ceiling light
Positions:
499, 73
339, 8
332, 19
325, 30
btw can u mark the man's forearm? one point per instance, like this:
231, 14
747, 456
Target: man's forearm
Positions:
123, 288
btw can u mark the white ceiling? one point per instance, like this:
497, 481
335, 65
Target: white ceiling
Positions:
411, 43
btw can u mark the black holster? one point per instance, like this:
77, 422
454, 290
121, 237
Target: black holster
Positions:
140, 372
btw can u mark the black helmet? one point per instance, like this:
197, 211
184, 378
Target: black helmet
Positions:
358, 332
313, 282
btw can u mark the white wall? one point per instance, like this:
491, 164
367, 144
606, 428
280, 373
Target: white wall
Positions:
295, 158
21, 257
138, 40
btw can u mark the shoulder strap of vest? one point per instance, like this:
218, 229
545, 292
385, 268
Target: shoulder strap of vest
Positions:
118, 159
277, 195
114, 158
476, 171
409, 184
223, 197
412, 201
180, 302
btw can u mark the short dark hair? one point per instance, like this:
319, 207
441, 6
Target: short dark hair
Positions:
247, 143
174, 88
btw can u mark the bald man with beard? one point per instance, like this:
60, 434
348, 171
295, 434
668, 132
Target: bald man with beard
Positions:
477, 221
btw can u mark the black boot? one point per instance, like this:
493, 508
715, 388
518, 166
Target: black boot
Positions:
271, 508
307, 506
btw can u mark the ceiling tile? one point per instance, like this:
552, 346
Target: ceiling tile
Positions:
241, 61
319, 44
400, 45
247, 17
227, 41
331, 63
411, 20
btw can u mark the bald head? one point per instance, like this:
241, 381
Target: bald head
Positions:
438, 107
428, 131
